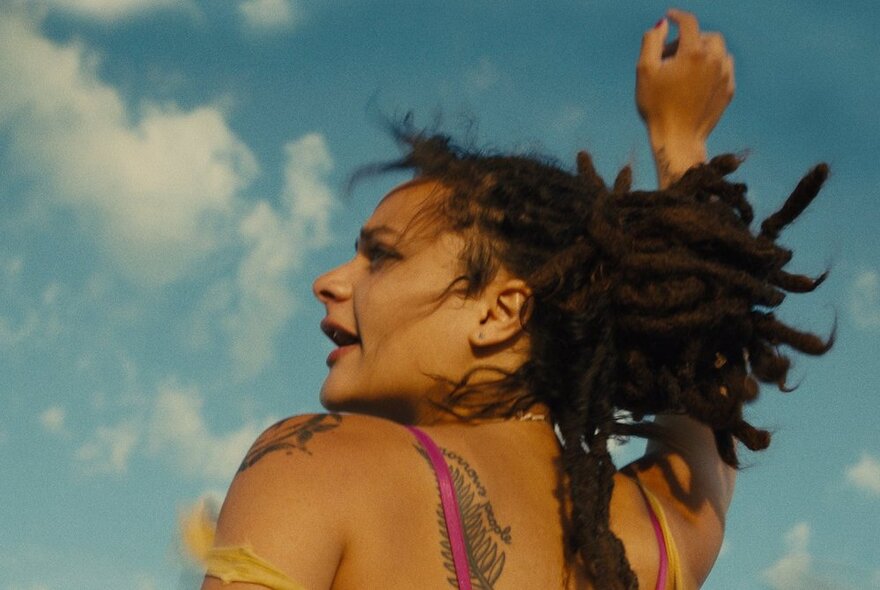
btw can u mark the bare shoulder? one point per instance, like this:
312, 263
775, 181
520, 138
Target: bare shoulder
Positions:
302, 487
311, 450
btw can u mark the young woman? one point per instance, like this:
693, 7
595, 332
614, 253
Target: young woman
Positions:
500, 321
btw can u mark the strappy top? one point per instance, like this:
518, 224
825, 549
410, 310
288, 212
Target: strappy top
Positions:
241, 564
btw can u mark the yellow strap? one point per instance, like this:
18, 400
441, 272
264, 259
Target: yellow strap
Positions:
675, 580
228, 564
241, 564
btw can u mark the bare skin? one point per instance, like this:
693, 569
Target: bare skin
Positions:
345, 501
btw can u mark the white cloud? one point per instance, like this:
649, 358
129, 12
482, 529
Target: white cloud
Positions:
269, 14
157, 186
110, 449
306, 192
277, 244
52, 419
159, 189
174, 429
864, 300
865, 474
177, 429
795, 568
115, 10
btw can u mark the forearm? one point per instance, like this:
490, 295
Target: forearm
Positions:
688, 447
673, 156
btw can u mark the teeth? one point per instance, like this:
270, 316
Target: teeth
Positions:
341, 338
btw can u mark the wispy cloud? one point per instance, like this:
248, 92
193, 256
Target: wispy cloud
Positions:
11, 267
114, 10
158, 185
864, 300
865, 474
109, 449
178, 431
173, 429
569, 117
26, 318
52, 419
482, 76
269, 15
278, 241
795, 568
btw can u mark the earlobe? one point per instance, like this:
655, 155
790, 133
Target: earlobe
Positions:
503, 315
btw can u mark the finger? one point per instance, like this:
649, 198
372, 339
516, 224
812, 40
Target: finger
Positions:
728, 70
688, 28
652, 44
714, 43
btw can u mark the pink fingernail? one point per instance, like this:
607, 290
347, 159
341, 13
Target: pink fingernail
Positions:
659, 23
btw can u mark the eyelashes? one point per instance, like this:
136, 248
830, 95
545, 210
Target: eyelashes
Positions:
376, 253
379, 256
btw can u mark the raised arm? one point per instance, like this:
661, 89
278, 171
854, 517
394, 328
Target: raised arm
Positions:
682, 88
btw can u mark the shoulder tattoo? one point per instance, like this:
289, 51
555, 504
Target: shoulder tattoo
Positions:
484, 537
289, 436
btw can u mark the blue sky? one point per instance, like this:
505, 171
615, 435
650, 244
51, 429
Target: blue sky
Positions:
171, 179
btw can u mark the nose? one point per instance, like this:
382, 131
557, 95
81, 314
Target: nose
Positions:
333, 285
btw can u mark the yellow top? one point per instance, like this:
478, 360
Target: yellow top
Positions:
229, 564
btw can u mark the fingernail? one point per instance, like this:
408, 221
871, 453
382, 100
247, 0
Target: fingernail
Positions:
660, 23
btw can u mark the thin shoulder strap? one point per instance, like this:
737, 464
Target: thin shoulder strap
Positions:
669, 575
451, 512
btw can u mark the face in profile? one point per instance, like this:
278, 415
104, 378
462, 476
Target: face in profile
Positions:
401, 333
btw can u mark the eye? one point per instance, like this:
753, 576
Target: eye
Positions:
378, 255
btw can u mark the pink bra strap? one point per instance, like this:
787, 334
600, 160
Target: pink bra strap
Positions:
450, 508
661, 541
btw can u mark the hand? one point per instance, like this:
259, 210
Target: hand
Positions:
682, 90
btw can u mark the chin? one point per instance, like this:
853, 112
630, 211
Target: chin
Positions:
393, 409
332, 400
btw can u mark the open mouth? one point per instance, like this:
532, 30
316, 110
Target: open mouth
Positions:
339, 335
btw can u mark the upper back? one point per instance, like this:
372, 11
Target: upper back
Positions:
356, 496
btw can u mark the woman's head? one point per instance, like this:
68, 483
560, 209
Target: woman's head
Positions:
638, 303
405, 321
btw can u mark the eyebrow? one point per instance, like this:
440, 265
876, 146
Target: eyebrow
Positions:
368, 234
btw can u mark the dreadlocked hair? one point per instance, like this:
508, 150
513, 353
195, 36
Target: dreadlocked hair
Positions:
643, 302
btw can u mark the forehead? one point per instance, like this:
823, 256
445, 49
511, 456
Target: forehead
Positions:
410, 206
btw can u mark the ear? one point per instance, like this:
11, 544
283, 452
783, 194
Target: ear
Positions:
503, 306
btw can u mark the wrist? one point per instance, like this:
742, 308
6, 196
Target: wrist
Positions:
674, 154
